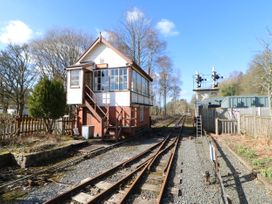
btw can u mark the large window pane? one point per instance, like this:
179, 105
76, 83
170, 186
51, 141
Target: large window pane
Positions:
74, 78
114, 79
110, 79
104, 80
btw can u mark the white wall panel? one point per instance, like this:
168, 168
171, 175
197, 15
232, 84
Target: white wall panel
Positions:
103, 54
114, 98
74, 95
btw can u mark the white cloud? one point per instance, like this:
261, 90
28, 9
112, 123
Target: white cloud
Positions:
134, 15
167, 27
16, 32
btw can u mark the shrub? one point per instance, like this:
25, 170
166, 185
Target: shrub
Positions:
48, 101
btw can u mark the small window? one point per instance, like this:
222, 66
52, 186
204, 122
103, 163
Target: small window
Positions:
74, 78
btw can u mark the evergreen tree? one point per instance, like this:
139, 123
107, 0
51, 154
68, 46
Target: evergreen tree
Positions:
48, 101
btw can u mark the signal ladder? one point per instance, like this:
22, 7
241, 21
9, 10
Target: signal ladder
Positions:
198, 126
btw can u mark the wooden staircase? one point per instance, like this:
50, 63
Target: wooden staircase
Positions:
114, 131
111, 130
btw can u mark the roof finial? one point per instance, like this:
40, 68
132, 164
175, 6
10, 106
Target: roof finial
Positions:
100, 36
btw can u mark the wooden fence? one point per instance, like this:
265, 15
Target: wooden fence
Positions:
256, 126
225, 126
12, 127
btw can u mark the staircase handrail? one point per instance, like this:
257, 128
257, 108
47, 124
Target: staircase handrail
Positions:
94, 99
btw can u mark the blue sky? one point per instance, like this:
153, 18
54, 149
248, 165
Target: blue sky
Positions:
200, 33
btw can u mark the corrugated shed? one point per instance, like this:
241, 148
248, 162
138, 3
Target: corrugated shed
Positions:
244, 101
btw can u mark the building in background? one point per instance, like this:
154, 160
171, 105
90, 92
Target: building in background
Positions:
111, 92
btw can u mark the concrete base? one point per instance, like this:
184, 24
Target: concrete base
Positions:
25, 160
7, 159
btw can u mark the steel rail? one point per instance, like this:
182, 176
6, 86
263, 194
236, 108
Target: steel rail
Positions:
62, 165
102, 195
147, 166
67, 194
167, 171
217, 172
90, 181
136, 181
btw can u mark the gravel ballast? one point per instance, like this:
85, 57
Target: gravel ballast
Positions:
193, 161
89, 168
240, 183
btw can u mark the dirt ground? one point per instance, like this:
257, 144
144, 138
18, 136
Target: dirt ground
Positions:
256, 152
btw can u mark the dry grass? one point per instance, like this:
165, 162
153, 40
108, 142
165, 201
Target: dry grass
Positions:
35, 143
258, 152
262, 147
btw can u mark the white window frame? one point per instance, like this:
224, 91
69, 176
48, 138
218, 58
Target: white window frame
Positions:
75, 79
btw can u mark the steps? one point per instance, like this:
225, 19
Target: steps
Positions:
110, 131
111, 134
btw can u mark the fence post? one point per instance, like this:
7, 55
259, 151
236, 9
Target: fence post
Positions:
63, 125
239, 124
254, 126
216, 126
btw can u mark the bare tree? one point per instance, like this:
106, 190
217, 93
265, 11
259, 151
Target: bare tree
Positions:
4, 100
175, 87
58, 49
177, 107
264, 61
17, 75
165, 66
133, 32
154, 48
138, 39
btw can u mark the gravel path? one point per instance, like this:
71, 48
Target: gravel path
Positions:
89, 168
193, 160
240, 184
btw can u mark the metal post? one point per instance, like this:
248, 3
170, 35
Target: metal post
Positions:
216, 126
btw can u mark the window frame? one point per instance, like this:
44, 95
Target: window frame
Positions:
72, 84
113, 74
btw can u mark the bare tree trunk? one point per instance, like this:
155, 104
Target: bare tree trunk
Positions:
164, 102
139, 50
49, 125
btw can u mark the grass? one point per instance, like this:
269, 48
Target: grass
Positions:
256, 152
260, 163
12, 195
264, 166
3, 152
246, 152
267, 172
35, 143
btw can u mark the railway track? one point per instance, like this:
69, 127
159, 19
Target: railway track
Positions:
60, 165
118, 184
224, 195
43, 174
